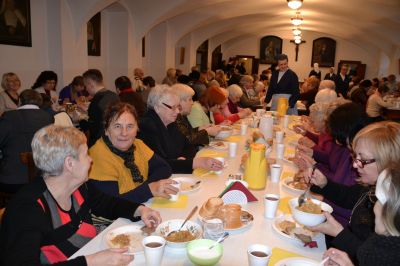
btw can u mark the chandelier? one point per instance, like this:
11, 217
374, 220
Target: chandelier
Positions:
297, 19
294, 4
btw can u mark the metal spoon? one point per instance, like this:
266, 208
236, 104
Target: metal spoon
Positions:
303, 197
195, 184
187, 219
222, 238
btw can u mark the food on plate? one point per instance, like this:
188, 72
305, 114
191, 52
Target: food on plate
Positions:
180, 236
121, 241
310, 207
211, 207
231, 215
287, 226
298, 181
218, 144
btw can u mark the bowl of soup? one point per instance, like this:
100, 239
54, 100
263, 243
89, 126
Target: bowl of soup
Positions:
310, 213
179, 239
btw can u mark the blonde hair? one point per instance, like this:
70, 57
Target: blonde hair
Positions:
391, 208
383, 140
9, 75
52, 144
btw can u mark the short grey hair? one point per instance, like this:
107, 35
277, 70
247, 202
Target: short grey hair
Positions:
326, 96
52, 144
327, 84
235, 91
183, 91
159, 94
246, 79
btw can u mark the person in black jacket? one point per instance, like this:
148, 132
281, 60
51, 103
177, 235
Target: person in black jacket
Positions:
102, 98
17, 130
382, 247
375, 148
342, 81
50, 219
284, 83
159, 131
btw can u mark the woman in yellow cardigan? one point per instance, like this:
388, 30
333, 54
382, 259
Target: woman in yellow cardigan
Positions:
124, 166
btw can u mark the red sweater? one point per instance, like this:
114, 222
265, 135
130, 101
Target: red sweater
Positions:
219, 118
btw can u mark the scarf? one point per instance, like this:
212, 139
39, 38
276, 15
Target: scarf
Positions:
128, 157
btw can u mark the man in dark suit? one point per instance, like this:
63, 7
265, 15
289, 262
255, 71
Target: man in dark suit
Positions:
102, 98
331, 75
284, 83
342, 81
17, 130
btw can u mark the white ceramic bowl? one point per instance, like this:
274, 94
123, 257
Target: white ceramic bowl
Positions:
224, 134
309, 219
171, 225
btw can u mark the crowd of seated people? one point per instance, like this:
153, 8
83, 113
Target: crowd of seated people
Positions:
138, 138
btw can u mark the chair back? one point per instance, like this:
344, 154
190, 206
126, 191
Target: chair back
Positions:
27, 159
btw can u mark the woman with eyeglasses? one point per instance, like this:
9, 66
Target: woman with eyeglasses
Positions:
375, 147
123, 166
382, 247
159, 131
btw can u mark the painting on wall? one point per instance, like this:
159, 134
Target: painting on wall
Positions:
94, 35
323, 52
15, 22
270, 47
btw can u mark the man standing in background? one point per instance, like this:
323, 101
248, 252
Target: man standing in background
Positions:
342, 81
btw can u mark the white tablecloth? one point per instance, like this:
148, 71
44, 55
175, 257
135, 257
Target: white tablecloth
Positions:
236, 245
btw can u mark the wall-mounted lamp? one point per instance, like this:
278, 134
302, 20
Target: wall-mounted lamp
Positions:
295, 4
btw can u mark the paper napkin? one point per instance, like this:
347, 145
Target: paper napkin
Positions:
284, 205
280, 254
204, 173
239, 186
181, 203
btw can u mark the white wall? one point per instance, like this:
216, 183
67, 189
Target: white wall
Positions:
344, 51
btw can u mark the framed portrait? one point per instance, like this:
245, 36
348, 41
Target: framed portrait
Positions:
323, 52
270, 47
94, 35
15, 22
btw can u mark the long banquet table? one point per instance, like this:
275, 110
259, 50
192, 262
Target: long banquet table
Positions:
235, 246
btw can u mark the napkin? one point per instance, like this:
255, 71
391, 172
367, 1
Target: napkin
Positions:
286, 175
201, 172
289, 152
239, 186
284, 205
211, 153
234, 138
280, 254
181, 203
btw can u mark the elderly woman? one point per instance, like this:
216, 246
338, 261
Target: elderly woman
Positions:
198, 135
46, 83
375, 147
235, 93
50, 219
246, 100
170, 78
382, 248
124, 166
158, 129
309, 90
9, 98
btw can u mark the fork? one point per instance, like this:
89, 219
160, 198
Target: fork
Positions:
303, 197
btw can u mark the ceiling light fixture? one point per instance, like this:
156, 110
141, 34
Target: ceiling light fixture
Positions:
295, 4
297, 19
297, 37
296, 31
298, 41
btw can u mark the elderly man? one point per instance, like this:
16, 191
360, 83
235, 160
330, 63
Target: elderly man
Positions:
138, 74
284, 84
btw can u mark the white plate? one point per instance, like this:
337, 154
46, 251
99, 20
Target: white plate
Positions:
244, 226
235, 197
186, 183
287, 217
214, 145
285, 183
297, 262
134, 233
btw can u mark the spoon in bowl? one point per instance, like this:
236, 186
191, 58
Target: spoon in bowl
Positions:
187, 219
222, 238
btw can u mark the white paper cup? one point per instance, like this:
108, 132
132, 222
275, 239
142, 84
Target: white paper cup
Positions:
286, 121
243, 129
279, 136
271, 202
153, 250
174, 197
221, 159
280, 150
275, 170
258, 255
232, 149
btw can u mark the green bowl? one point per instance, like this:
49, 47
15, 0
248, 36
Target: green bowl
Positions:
199, 254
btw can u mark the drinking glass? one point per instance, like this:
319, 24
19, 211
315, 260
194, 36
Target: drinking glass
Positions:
213, 228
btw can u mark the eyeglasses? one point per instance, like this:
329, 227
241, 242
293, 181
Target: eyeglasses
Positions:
360, 162
173, 108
